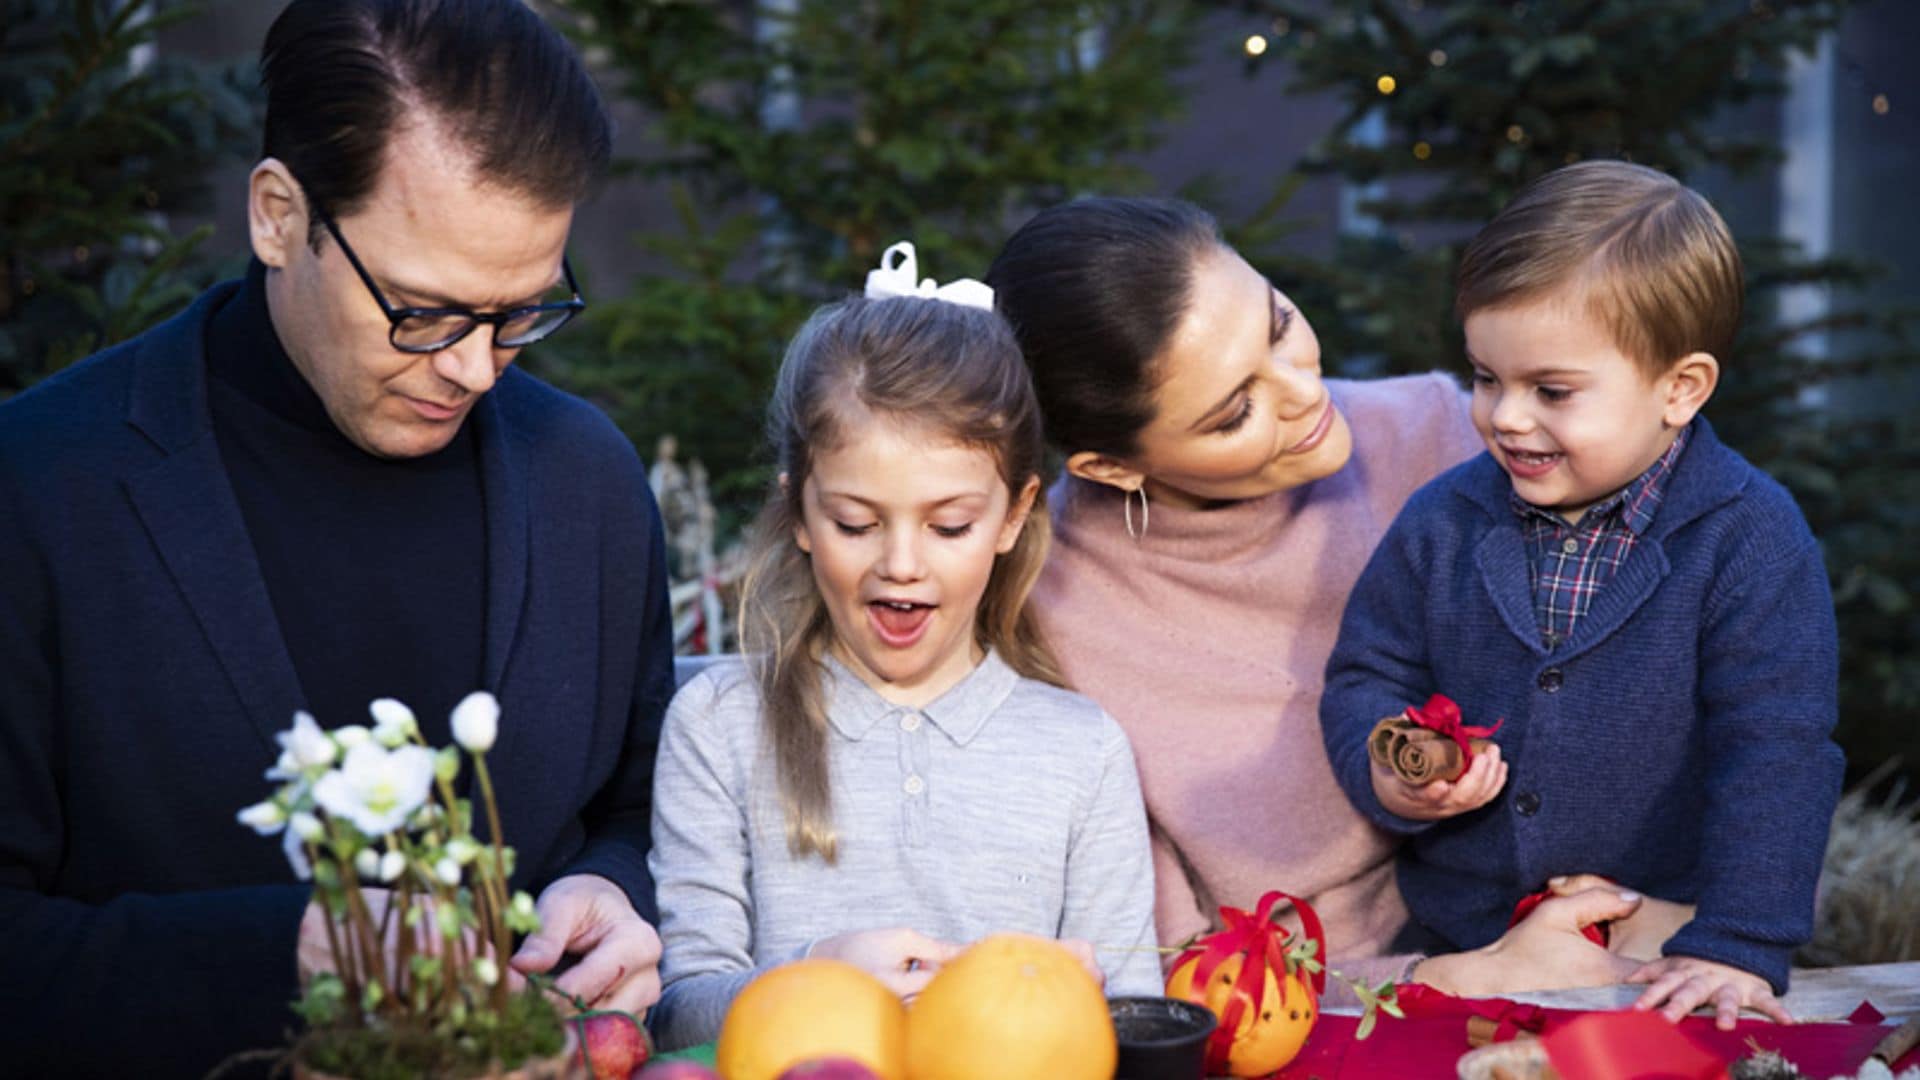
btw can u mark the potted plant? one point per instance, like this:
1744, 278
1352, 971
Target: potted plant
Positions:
418, 917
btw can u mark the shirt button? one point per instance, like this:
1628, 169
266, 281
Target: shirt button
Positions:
1527, 803
1570, 546
1551, 680
914, 785
910, 722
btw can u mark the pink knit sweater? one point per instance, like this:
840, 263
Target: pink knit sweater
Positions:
1208, 639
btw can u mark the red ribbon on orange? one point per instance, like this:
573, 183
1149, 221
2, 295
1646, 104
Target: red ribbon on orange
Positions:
1440, 714
1262, 942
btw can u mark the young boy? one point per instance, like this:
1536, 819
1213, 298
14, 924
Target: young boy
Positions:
1646, 611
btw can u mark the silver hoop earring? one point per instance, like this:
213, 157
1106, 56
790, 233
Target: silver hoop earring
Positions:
1126, 502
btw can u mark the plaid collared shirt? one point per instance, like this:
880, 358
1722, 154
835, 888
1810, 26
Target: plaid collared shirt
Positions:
1570, 564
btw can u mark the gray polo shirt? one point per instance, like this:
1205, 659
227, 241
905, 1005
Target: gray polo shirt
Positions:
1007, 804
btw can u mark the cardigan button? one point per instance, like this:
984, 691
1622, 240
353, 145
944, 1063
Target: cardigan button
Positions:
1552, 679
1527, 802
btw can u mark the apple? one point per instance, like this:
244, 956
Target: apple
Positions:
612, 1045
678, 1070
831, 1068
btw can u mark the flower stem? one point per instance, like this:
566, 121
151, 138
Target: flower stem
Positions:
495, 883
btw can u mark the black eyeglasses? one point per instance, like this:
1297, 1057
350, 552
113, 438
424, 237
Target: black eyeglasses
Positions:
430, 329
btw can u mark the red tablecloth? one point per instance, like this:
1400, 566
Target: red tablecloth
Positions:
1427, 1047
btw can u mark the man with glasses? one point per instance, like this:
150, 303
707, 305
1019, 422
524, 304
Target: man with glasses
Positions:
318, 486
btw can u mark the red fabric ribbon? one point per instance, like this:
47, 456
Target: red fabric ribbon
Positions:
1440, 714
1256, 937
1642, 1045
1597, 933
1511, 1018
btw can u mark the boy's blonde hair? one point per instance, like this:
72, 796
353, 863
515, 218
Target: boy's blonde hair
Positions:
951, 371
1653, 261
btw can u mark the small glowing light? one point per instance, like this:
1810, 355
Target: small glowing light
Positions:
1387, 84
1881, 105
80, 253
1438, 58
28, 287
1422, 150
1516, 133
1256, 44
1281, 26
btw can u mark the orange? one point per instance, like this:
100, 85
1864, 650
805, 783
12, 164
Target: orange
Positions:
1264, 1041
812, 1009
1012, 1007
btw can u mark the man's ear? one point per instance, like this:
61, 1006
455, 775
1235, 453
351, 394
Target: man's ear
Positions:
1688, 384
276, 213
1103, 469
1017, 514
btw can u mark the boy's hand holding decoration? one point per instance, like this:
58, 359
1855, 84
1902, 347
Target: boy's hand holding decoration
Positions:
1428, 764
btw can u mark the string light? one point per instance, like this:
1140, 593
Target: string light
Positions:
1438, 58
1256, 44
1281, 26
1516, 133
1386, 84
1881, 106
1422, 151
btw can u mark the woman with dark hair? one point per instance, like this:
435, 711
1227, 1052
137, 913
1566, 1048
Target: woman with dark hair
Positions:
1219, 502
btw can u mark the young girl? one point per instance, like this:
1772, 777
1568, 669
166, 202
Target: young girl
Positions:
895, 771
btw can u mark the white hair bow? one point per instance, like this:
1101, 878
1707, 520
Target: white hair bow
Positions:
901, 277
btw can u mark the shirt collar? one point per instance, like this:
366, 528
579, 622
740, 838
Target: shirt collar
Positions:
853, 707
1635, 504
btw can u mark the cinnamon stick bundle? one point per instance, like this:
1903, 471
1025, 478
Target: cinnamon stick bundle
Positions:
1418, 755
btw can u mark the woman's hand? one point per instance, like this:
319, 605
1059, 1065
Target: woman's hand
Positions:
1640, 935
1684, 983
902, 958
1442, 798
1545, 952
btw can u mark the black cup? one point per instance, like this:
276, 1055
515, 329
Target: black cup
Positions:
1161, 1038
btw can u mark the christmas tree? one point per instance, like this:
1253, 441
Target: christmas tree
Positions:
99, 141
802, 137
1451, 107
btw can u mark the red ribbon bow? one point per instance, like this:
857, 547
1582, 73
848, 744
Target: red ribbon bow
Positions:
1440, 714
1255, 936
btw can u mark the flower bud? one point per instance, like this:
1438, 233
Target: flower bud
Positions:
462, 849
346, 738
392, 865
447, 871
367, 863
393, 722
307, 827
446, 764
476, 720
486, 970
265, 817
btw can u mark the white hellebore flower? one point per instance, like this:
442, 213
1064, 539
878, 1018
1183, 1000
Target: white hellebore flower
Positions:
307, 827
476, 720
447, 870
346, 738
486, 970
376, 788
366, 863
393, 723
305, 746
296, 855
266, 817
392, 865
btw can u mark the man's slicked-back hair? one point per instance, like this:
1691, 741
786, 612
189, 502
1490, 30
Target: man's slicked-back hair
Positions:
343, 77
1648, 257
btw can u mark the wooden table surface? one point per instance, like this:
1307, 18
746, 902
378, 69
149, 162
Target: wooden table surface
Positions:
1814, 993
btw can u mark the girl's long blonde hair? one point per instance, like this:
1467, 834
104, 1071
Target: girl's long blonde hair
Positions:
952, 371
